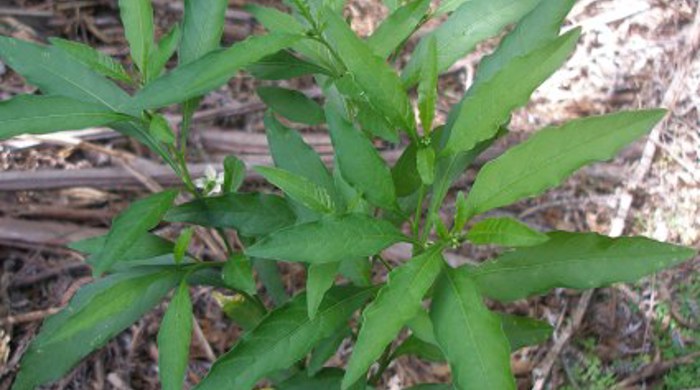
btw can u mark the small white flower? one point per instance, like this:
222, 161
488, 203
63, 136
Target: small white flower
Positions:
212, 181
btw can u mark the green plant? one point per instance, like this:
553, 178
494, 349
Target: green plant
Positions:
335, 222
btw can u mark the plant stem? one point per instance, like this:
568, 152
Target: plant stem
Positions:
384, 362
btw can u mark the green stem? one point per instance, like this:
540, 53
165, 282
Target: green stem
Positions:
384, 362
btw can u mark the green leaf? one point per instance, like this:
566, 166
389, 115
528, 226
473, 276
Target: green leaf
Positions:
427, 87
397, 28
320, 279
505, 232
358, 271
325, 350
137, 18
174, 338
164, 51
160, 129
417, 347
56, 72
98, 312
461, 213
374, 122
574, 260
140, 217
291, 153
425, 163
282, 338
238, 274
379, 82
360, 163
405, 174
182, 243
283, 65
28, 114
94, 59
488, 106
292, 105
234, 174
554, 153
327, 379
147, 246
540, 26
298, 188
202, 28
520, 331
277, 21
270, 276
473, 22
470, 335
431, 386
397, 302
328, 240
524, 331
250, 214
244, 311
207, 73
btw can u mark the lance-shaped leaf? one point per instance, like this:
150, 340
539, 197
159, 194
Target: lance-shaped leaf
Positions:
524, 331
574, 260
146, 246
94, 59
140, 217
470, 24
182, 244
211, 71
396, 303
284, 65
291, 153
137, 18
277, 21
250, 214
405, 173
397, 28
327, 379
552, 154
270, 276
234, 174
30, 114
292, 105
487, 107
427, 87
238, 274
358, 271
320, 278
298, 188
243, 310
422, 349
203, 25
164, 51
328, 240
537, 28
325, 350
504, 232
520, 331
98, 312
174, 338
425, 162
282, 338
56, 72
469, 334
377, 80
360, 163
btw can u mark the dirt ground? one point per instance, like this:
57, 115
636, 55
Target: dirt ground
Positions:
633, 54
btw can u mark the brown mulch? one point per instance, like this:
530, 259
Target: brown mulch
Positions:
628, 57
